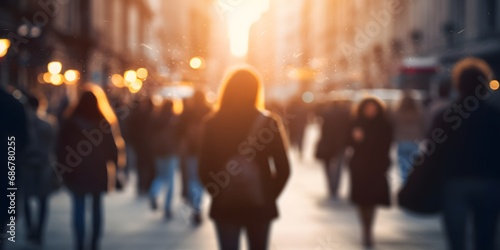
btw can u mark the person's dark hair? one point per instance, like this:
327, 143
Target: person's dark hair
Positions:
33, 102
381, 108
88, 107
407, 103
242, 90
469, 73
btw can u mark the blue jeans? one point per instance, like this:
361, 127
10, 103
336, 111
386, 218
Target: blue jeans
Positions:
165, 173
194, 184
406, 150
471, 197
79, 220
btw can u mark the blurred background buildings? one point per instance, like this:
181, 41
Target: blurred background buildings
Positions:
328, 44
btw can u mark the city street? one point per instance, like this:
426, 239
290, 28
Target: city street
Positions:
307, 221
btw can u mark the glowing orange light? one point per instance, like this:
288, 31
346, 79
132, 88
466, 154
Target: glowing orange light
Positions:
71, 76
494, 85
46, 77
117, 80
142, 73
4, 47
135, 86
196, 62
56, 79
130, 76
54, 67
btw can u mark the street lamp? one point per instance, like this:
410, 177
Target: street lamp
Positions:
4, 46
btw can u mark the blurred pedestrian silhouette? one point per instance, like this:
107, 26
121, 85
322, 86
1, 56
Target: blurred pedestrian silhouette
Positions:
190, 126
237, 143
14, 128
370, 138
165, 146
297, 107
140, 135
331, 146
466, 155
440, 102
90, 143
37, 177
409, 129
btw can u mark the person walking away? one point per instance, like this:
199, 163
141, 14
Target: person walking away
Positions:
331, 146
167, 161
190, 126
14, 129
91, 123
409, 126
468, 157
139, 132
370, 139
238, 141
37, 177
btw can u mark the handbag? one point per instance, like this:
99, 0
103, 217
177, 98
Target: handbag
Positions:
245, 189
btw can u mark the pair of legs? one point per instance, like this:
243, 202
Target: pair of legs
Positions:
478, 200
333, 170
79, 220
195, 188
35, 232
165, 173
228, 234
145, 171
367, 218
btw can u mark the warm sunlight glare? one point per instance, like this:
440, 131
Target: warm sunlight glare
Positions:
240, 19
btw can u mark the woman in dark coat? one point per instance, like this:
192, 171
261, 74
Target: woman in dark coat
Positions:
90, 144
227, 135
371, 137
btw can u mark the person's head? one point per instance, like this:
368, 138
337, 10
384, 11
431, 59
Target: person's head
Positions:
407, 103
469, 73
94, 105
370, 108
241, 90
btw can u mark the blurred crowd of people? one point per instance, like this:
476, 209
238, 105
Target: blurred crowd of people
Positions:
224, 149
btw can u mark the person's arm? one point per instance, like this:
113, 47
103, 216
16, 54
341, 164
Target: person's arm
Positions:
280, 157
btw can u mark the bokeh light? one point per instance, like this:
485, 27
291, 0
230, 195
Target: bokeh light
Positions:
142, 73
46, 77
71, 76
4, 46
494, 84
308, 97
56, 79
196, 62
54, 67
130, 76
117, 80
135, 86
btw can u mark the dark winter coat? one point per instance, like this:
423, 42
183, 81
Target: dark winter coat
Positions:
222, 138
370, 162
89, 171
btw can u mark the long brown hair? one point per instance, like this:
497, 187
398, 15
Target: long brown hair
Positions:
241, 90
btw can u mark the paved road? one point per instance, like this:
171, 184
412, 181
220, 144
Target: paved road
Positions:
308, 221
